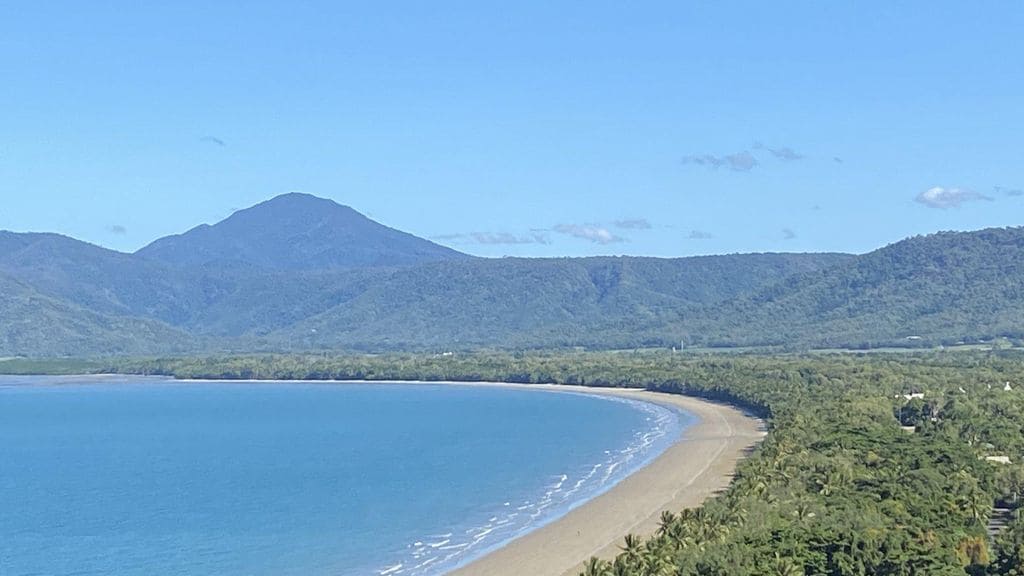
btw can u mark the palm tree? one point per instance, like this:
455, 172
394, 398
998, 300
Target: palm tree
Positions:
785, 567
619, 568
737, 515
666, 522
658, 561
632, 547
803, 510
687, 515
596, 567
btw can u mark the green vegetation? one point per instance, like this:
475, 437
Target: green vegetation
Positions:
941, 289
299, 274
68, 367
35, 324
597, 303
460, 304
836, 488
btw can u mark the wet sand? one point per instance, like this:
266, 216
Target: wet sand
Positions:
700, 464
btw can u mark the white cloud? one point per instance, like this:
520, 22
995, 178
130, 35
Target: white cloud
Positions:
943, 198
595, 234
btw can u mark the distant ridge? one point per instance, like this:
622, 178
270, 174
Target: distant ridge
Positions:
298, 232
940, 289
597, 302
300, 273
93, 277
32, 324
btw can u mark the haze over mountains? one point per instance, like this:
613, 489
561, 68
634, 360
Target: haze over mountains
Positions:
302, 273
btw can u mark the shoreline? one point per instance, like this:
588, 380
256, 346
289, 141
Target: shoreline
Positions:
696, 466
716, 442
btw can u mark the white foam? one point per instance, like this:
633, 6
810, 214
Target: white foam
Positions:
428, 562
565, 491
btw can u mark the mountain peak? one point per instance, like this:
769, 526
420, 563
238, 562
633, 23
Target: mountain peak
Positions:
298, 231
299, 201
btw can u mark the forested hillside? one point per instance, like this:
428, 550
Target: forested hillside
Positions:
99, 279
939, 289
300, 273
461, 303
531, 303
36, 325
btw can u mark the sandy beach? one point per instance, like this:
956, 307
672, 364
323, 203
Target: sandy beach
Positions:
686, 474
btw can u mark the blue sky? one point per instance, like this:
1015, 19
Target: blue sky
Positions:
537, 128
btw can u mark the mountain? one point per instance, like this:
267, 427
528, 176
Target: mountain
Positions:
224, 298
297, 232
463, 302
37, 325
943, 288
99, 279
299, 273
526, 302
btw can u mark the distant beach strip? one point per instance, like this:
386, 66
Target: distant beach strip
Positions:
691, 470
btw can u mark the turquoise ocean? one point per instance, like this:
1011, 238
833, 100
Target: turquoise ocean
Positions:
120, 476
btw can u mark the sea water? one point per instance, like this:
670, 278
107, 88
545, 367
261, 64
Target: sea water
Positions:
130, 476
